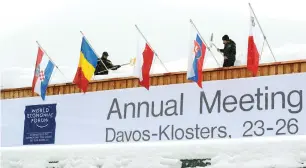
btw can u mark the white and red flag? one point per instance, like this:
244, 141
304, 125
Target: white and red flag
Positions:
143, 66
253, 54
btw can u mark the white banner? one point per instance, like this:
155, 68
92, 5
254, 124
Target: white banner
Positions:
250, 107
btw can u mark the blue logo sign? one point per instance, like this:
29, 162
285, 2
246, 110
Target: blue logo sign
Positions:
39, 124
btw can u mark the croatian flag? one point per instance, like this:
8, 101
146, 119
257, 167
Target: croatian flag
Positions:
195, 61
42, 74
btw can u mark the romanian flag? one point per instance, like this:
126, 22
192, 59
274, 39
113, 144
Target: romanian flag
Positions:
86, 67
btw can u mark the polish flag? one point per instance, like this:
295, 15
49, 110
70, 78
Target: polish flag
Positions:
143, 66
253, 55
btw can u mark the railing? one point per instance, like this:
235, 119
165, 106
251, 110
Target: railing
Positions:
163, 79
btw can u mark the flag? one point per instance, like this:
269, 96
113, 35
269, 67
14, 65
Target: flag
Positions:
86, 67
253, 55
42, 74
195, 61
143, 66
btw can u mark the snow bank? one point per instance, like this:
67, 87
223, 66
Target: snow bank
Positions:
272, 152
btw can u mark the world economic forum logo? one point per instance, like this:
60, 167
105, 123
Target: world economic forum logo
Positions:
39, 124
40, 115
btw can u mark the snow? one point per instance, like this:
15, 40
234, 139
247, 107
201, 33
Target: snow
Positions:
164, 23
288, 52
271, 152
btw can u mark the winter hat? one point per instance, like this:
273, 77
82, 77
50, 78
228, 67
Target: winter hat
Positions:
105, 53
225, 37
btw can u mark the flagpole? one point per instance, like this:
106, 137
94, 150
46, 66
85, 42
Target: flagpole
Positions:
51, 59
151, 47
265, 38
204, 42
94, 51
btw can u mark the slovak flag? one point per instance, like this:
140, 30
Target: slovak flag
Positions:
195, 61
143, 65
253, 55
42, 74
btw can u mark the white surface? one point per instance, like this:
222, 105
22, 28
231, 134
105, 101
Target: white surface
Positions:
109, 25
280, 152
83, 118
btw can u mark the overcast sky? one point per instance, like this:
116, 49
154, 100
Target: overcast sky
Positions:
109, 26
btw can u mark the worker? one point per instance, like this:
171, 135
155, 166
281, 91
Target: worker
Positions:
104, 64
229, 51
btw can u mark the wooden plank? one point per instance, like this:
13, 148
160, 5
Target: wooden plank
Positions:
94, 87
228, 74
243, 73
160, 80
166, 80
61, 89
20, 92
272, 70
239, 72
7, 95
173, 79
303, 67
25, 93
111, 85
50, 91
129, 83
72, 88
221, 75
56, 90
2, 95
280, 69
117, 84
249, 74
296, 68
264, 71
135, 83
15, 94
287, 68
105, 85
11, 94
99, 86
123, 84
214, 75
154, 81
235, 73
206, 76
66, 89
77, 89
180, 78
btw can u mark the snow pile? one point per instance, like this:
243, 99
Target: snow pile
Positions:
272, 152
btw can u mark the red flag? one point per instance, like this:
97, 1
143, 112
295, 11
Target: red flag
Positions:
143, 66
253, 55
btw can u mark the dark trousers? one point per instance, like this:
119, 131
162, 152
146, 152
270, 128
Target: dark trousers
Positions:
228, 63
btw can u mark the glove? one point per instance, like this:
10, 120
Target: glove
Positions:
116, 67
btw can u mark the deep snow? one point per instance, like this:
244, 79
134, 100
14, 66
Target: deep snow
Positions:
269, 152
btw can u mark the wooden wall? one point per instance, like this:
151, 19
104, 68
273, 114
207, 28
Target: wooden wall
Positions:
163, 79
